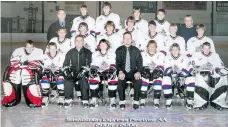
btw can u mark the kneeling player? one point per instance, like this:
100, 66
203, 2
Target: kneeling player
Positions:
152, 71
23, 72
211, 79
178, 66
103, 71
53, 61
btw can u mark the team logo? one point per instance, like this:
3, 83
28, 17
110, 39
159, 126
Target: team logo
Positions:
176, 69
199, 48
152, 66
104, 66
53, 67
207, 66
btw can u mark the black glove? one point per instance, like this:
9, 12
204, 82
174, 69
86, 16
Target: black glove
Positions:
69, 73
157, 73
93, 72
47, 72
83, 72
145, 72
112, 72
25, 63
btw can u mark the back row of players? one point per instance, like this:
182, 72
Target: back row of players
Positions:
92, 60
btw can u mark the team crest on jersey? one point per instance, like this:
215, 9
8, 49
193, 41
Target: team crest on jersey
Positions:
163, 32
104, 66
53, 67
199, 48
207, 66
176, 69
152, 65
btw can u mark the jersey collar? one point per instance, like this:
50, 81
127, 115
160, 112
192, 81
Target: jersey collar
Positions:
175, 58
174, 37
207, 55
152, 37
84, 17
200, 38
61, 42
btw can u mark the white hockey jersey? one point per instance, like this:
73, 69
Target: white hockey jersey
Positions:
103, 62
20, 55
62, 47
194, 44
114, 40
157, 60
179, 40
138, 38
160, 40
53, 63
163, 28
88, 20
102, 20
141, 25
89, 42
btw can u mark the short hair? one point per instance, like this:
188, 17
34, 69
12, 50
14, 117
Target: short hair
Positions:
188, 15
83, 24
64, 29
151, 42
136, 8
84, 6
152, 22
52, 44
201, 26
104, 41
29, 42
206, 44
81, 36
110, 23
174, 45
107, 4
61, 10
161, 10
125, 33
130, 18
173, 25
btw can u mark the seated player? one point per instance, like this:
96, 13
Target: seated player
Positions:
177, 67
23, 73
194, 44
103, 72
63, 44
52, 77
152, 72
89, 40
113, 38
211, 79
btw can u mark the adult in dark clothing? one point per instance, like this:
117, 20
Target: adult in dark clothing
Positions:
129, 65
77, 58
187, 30
60, 23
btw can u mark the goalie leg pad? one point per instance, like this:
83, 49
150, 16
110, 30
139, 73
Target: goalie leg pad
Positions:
144, 87
45, 85
167, 87
60, 85
94, 86
157, 83
112, 87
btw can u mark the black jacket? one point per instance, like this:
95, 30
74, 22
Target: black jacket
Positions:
77, 59
54, 27
135, 59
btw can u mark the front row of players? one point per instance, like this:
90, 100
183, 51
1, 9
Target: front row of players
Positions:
203, 75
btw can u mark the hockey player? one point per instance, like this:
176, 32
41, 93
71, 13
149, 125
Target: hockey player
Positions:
194, 44
137, 36
211, 79
162, 24
103, 61
23, 73
107, 16
111, 36
63, 44
89, 39
157, 37
177, 66
152, 72
174, 38
52, 75
83, 18
76, 61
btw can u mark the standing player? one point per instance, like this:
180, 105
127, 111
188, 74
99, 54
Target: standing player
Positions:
52, 76
89, 40
194, 44
23, 73
83, 18
211, 79
111, 36
174, 38
63, 44
179, 65
107, 16
162, 24
152, 72
103, 62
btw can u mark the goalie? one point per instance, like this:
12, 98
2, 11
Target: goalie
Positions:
23, 73
211, 79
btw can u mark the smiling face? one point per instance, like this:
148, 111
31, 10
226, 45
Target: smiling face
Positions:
79, 42
109, 28
152, 28
173, 30
127, 39
103, 46
152, 48
160, 15
61, 15
136, 14
175, 51
200, 32
83, 11
106, 10
52, 49
82, 29
206, 49
29, 48
62, 33
188, 21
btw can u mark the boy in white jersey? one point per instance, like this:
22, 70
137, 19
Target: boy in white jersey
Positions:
162, 24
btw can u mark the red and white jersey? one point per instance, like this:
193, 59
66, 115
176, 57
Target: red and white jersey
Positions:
141, 25
89, 42
103, 61
114, 40
153, 61
160, 40
163, 28
53, 63
20, 55
194, 44
169, 40
62, 47
102, 20
177, 64
88, 20
138, 38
